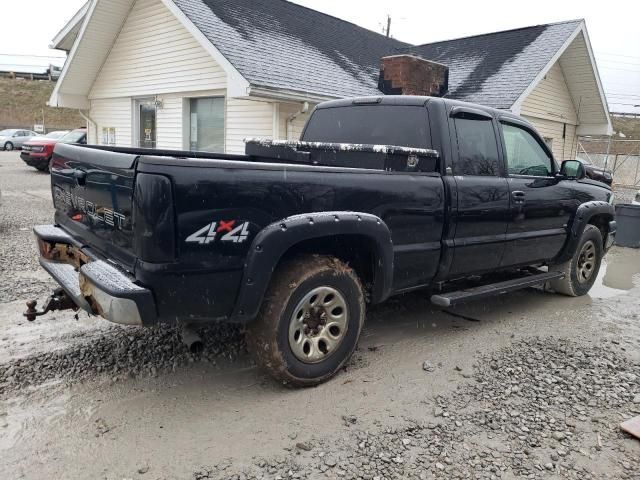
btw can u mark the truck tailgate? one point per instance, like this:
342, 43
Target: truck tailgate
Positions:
93, 196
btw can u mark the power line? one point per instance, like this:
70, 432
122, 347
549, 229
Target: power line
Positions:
618, 63
31, 56
618, 55
604, 67
626, 104
23, 65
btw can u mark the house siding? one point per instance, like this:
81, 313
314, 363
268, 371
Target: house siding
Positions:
549, 107
111, 113
564, 146
170, 119
247, 119
155, 54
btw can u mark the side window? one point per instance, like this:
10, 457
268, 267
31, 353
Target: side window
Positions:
525, 156
477, 148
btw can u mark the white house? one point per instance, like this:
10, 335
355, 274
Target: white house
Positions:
205, 74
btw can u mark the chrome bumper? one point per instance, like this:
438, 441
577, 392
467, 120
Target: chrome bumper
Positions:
96, 286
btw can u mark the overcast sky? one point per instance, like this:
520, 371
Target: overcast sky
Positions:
614, 27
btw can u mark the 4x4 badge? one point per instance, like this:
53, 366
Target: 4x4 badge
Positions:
225, 231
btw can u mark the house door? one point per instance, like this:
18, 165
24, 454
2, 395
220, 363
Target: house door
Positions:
146, 123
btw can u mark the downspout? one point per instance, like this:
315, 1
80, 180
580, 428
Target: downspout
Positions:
88, 119
291, 118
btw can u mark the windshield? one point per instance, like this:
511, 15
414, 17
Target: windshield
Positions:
7, 133
73, 137
56, 135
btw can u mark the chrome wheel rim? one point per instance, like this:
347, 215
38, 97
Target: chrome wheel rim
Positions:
318, 325
587, 262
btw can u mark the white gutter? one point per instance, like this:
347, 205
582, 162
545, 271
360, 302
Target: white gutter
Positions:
89, 120
288, 95
291, 118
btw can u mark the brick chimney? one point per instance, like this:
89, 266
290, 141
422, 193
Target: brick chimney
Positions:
410, 75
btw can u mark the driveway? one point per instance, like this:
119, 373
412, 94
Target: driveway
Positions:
529, 385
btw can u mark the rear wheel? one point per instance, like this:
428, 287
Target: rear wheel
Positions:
8, 146
582, 270
310, 321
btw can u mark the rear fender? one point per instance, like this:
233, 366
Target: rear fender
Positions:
274, 241
585, 213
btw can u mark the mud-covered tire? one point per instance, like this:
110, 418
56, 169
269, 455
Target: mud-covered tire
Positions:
269, 337
589, 252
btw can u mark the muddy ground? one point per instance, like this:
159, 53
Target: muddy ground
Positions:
530, 385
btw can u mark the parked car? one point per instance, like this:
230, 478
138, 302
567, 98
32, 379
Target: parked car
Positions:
38, 151
596, 173
57, 134
382, 196
14, 138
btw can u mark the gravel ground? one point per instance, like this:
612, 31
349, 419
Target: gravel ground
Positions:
420, 399
539, 408
119, 353
26, 201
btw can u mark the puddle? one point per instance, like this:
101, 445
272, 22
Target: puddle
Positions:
17, 416
619, 273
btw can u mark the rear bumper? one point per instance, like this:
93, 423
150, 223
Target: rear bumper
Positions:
95, 286
35, 159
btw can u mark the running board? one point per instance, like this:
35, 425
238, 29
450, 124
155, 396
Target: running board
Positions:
461, 296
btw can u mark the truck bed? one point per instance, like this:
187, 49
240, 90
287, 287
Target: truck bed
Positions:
152, 213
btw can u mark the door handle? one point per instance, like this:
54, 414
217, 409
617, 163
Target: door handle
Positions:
80, 176
518, 196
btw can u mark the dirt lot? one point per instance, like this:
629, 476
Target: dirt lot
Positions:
531, 385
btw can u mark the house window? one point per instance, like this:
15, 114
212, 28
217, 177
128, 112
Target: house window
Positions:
206, 131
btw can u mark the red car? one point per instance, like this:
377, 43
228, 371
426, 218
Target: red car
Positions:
37, 153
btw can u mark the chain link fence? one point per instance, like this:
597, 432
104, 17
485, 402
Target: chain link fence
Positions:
621, 157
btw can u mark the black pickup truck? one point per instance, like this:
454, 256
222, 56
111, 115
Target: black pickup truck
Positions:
381, 196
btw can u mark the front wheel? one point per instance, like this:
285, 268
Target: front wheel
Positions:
8, 146
581, 271
310, 321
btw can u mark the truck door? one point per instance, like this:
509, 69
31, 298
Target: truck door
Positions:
541, 206
481, 213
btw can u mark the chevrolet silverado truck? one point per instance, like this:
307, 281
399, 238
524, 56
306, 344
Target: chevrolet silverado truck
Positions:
381, 196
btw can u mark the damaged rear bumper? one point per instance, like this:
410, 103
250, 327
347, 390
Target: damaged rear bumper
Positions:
92, 284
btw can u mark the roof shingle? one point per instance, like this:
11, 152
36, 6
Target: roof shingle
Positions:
494, 69
281, 45
278, 44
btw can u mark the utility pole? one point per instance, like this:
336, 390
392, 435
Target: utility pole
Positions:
388, 26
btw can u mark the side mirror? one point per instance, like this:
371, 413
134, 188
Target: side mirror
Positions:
573, 170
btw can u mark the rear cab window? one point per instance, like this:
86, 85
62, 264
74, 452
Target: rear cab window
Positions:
399, 125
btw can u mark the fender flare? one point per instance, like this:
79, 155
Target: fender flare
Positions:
275, 240
584, 214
